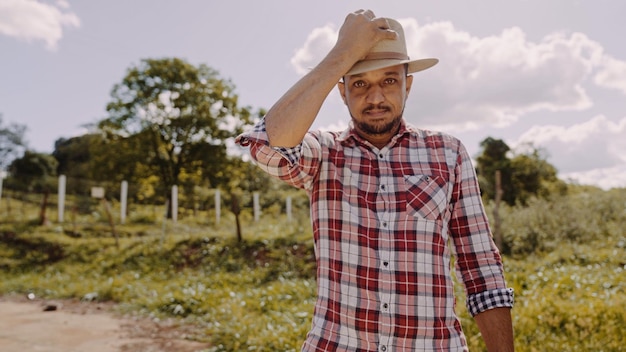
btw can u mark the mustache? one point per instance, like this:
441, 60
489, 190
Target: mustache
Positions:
371, 107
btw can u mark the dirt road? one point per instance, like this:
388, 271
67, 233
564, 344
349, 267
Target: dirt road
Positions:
69, 326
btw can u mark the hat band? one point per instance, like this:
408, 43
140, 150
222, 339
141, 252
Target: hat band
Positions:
386, 55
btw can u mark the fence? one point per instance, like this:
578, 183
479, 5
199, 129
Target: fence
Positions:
66, 197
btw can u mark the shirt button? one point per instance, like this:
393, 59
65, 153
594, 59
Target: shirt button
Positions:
382, 187
383, 348
386, 264
381, 155
385, 306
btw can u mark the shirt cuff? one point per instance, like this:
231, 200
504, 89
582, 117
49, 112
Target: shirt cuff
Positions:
258, 135
483, 301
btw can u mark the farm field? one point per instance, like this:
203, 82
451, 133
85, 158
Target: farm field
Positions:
566, 261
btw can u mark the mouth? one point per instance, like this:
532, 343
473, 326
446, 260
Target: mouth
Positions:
377, 112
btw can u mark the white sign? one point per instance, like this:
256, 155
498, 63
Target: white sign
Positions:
97, 192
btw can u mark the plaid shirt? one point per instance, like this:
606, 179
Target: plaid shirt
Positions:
386, 223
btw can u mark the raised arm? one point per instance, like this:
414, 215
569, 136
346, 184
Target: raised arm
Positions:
292, 115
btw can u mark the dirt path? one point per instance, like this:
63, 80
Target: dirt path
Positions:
80, 327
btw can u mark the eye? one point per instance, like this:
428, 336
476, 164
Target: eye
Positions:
389, 81
359, 84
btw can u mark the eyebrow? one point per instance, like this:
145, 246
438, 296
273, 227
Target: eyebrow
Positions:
388, 73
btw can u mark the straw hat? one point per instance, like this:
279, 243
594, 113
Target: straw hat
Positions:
390, 53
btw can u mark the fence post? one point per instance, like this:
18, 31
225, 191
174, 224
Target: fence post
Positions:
257, 207
218, 206
61, 197
289, 209
174, 203
123, 197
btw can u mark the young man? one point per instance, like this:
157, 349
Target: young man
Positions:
390, 205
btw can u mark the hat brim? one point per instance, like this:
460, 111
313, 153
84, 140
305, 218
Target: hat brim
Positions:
371, 65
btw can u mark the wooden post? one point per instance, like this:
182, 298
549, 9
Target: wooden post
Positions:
123, 200
496, 211
256, 206
288, 205
174, 203
107, 207
236, 209
218, 206
61, 197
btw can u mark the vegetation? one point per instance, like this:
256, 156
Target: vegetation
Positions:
566, 264
169, 124
12, 142
525, 173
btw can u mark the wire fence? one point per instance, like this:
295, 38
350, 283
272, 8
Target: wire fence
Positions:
81, 202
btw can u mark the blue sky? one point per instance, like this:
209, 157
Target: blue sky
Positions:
550, 73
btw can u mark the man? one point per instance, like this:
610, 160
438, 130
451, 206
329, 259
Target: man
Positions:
390, 205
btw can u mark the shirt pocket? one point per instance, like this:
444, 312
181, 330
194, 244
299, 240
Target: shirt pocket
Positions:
426, 196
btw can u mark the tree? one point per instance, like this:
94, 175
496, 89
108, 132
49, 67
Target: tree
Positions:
524, 174
74, 160
494, 157
534, 176
12, 142
34, 172
171, 117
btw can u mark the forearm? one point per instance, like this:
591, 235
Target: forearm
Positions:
496, 328
293, 114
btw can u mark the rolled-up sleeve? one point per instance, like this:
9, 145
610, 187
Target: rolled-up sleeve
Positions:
291, 165
479, 263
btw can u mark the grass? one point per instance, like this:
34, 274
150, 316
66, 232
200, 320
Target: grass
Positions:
258, 295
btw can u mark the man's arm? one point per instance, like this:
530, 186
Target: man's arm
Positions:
293, 114
496, 328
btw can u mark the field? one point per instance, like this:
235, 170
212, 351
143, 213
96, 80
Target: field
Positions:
566, 261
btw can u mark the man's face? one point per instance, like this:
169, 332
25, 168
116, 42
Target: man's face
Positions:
376, 100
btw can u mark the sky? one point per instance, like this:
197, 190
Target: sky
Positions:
546, 74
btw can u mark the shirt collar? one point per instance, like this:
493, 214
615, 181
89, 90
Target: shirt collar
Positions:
349, 137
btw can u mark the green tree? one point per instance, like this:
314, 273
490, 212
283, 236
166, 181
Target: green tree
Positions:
534, 176
12, 142
523, 174
172, 117
34, 172
494, 157
74, 160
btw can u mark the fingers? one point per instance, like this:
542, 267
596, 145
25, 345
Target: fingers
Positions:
366, 13
380, 22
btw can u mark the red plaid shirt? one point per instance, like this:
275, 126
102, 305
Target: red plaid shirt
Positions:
386, 223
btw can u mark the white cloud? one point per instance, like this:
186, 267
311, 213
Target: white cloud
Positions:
489, 81
606, 178
612, 75
496, 79
586, 151
33, 20
317, 45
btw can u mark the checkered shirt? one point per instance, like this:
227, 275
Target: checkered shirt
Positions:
386, 223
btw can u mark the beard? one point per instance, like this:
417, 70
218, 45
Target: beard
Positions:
377, 129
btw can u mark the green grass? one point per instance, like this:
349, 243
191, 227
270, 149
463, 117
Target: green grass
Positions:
258, 295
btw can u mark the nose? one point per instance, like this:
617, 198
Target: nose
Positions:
375, 94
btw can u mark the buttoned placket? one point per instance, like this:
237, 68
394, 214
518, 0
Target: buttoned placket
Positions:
383, 199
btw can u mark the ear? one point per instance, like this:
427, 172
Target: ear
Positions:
342, 90
409, 83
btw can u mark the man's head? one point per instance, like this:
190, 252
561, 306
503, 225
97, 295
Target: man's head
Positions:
375, 89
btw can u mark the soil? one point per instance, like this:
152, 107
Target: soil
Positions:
74, 326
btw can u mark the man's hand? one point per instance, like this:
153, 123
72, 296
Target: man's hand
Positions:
360, 31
